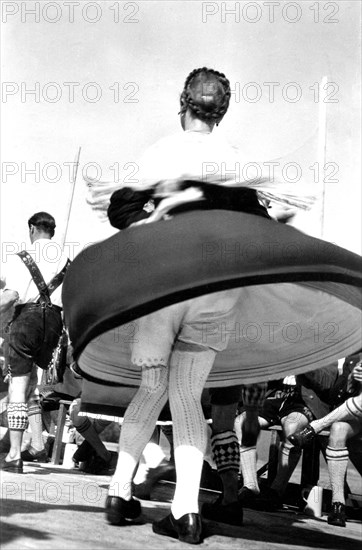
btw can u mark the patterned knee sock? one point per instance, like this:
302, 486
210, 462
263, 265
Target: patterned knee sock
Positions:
337, 461
225, 451
18, 419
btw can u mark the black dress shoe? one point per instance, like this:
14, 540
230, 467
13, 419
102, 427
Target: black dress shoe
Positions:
247, 497
303, 437
31, 455
186, 529
14, 466
84, 452
231, 514
118, 510
337, 515
100, 467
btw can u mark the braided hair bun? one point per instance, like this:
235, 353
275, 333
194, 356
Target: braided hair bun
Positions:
207, 94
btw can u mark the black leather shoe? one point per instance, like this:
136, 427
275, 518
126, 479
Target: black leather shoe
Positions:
118, 510
337, 515
247, 497
231, 514
303, 437
31, 455
100, 467
14, 466
84, 452
186, 529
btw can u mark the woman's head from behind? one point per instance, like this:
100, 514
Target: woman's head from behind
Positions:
206, 97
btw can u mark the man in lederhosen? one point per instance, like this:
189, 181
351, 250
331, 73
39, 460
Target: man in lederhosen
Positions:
36, 326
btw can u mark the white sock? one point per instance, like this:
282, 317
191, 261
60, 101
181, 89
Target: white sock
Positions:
36, 425
141, 472
337, 461
188, 461
152, 457
121, 482
248, 461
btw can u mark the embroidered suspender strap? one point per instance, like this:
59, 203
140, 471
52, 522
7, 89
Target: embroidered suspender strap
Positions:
36, 276
58, 279
44, 290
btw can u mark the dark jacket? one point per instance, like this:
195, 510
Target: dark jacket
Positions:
325, 389
127, 205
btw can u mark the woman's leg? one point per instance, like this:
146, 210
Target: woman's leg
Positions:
137, 428
189, 368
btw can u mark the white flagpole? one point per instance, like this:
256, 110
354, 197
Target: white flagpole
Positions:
322, 142
75, 172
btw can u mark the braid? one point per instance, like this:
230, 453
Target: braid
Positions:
217, 104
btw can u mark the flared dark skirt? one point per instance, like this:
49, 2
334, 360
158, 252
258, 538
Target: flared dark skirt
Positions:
299, 307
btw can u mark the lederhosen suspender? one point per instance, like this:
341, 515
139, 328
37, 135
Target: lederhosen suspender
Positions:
45, 290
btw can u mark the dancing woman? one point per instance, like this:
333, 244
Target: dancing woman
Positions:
204, 100
170, 350
178, 340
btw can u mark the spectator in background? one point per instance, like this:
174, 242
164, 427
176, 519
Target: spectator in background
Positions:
225, 447
92, 450
345, 422
284, 406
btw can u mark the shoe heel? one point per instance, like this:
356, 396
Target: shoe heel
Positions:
118, 511
191, 539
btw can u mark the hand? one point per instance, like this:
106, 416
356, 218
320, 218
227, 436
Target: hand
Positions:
282, 213
7, 299
140, 222
189, 195
357, 372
